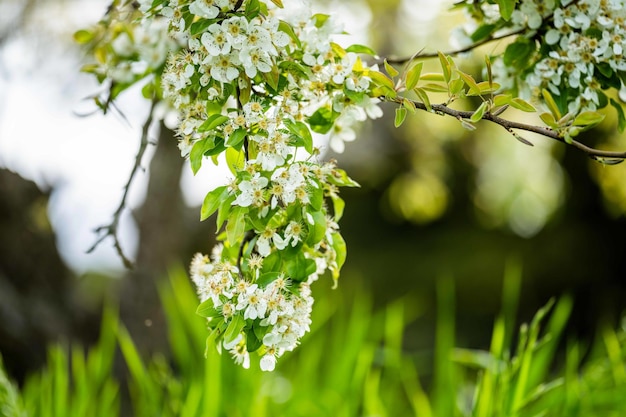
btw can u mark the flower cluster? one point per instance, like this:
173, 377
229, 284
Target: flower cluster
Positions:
573, 49
279, 310
126, 48
254, 82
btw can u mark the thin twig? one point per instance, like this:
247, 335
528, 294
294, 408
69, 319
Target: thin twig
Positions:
442, 109
112, 228
468, 48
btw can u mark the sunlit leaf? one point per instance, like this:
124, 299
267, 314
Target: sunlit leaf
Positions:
212, 201
552, 106
391, 70
361, 49
523, 105
413, 75
588, 119
237, 322
479, 113
401, 113
235, 226
212, 122
506, 8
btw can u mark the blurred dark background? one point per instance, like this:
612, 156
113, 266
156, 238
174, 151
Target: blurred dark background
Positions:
435, 201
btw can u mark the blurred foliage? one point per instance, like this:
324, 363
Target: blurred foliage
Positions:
355, 364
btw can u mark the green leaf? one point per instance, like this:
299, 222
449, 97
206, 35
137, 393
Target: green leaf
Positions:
235, 160
278, 3
361, 49
237, 322
207, 309
224, 211
341, 179
267, 278
272, 77
200, 26
445, 67
502, 100
433, 76
302, 131
286, 27
253, 8
423, 97
253, 342
456, 87
479, 113
471, 83
391, 70
506, 8
401, 113
621, 119
212, 122
272, 263
435, 88
487, 87
381, 79
83, 36
549, 120
236, 224
339, 245
320, 19
197, 153
482, 32
413, 75
316, 197
317, 230
552, 106
235, 140
518, 54
409, 105
322, 120
298, 267
522, 105
212, 201
338, 207
588, 119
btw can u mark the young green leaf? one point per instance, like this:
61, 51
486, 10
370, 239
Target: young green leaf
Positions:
207, 309
391, 70
479, 113
522, 105
588, 119
212, 122
236, 225
445, 67
413, 75
552, 106
361, 49
471, 83
302, 131
506, 8
235, 160
401, 113
234, 328
212, 201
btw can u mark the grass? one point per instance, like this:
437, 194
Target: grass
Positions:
351, 364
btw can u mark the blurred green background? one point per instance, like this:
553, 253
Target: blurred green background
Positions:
436, 202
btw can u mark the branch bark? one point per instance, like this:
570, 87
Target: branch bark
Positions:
112, 228
510, 125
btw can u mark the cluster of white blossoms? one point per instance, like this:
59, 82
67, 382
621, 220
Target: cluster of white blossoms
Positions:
280, 310
135, 49
254, 81
574, 49
251, 82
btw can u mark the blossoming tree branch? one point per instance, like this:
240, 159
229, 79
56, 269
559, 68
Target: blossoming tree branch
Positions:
253, 82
